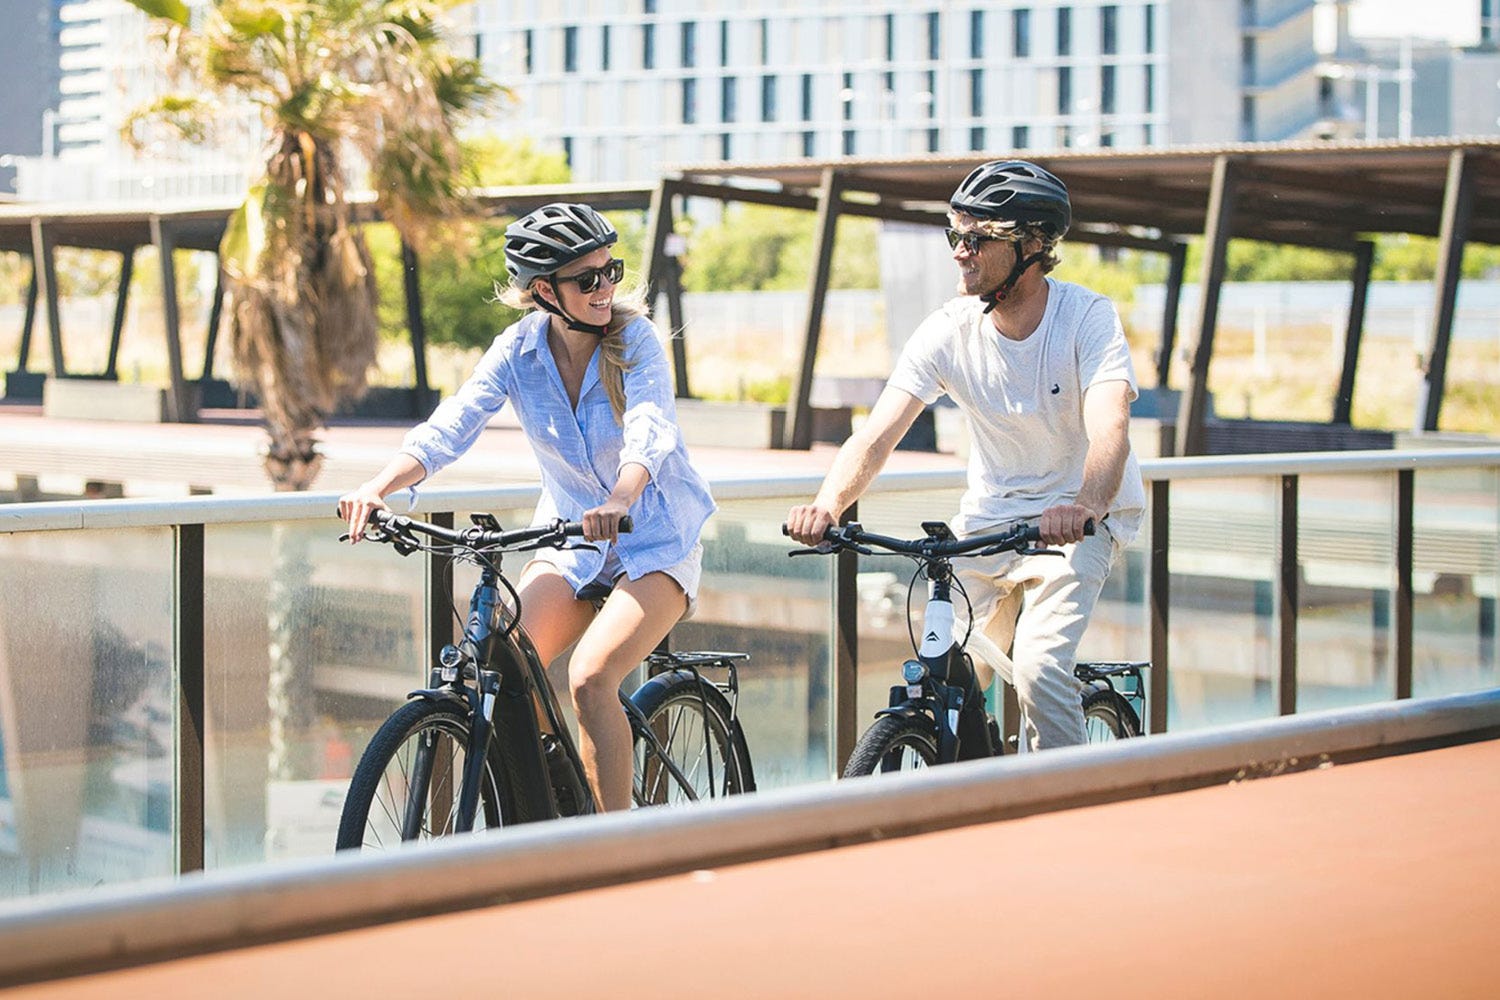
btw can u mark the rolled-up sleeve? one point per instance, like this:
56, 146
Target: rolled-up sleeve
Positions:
455, 424
650, 423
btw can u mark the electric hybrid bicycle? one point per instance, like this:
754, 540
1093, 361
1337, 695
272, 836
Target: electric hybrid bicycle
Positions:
937, 714
485, 745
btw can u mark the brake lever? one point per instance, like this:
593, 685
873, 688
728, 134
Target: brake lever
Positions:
1034, 550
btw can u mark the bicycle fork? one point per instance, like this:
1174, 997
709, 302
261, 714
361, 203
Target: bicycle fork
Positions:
942, 678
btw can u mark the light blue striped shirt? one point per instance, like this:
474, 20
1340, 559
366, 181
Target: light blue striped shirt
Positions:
580, 451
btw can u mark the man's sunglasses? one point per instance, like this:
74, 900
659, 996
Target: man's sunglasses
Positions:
970, 240
588, 280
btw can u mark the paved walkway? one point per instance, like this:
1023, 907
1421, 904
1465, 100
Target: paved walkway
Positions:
1370, 880
222, 455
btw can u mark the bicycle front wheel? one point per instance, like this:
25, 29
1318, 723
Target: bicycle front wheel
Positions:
692, 722
407, 784
1108, 717
893, 743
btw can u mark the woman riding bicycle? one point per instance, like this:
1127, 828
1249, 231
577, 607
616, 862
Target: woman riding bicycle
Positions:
590, 383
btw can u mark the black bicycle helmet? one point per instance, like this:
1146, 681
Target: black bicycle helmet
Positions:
1015, 191
551, 238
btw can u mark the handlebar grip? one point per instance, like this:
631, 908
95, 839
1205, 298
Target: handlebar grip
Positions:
1088, 526
627, 524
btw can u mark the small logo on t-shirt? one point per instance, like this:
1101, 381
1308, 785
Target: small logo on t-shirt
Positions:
1056, 388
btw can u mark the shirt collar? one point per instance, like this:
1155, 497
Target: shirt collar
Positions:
534, 328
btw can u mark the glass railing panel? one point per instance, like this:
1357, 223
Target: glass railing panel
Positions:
1223, 558
87, 709
1347, 553
310, 645
885, 628
1454, 570
754, 599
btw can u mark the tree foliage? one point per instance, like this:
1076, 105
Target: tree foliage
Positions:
754, 247
337, 82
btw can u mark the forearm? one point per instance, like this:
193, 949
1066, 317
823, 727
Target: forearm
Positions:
634, 478
401, 471
854, 468
1107, 422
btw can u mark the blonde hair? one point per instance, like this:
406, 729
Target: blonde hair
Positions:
1010, 230
628, 306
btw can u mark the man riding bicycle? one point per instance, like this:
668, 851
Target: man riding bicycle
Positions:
1042, 372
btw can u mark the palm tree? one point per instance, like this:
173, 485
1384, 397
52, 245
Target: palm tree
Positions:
337, 83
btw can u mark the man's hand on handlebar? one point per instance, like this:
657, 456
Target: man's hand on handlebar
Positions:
808, 523
1065, 523
356, 506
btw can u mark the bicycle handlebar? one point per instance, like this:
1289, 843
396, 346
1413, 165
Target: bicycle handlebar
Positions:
392, 527
1022, 538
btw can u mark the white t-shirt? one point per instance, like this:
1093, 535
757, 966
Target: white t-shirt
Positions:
1024, 402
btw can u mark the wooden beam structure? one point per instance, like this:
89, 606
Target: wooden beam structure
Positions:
1194, 405
1458, 205
1354, 331
799, 433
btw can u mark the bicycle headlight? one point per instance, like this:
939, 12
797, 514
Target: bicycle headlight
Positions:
450, 659
915, 671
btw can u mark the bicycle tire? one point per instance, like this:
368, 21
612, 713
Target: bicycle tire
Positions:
1108, 717
673, 705
377, 788
894, 743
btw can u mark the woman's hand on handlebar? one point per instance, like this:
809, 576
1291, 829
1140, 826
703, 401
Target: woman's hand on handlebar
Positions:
356, 506
808, 523
602, 524
1065, 523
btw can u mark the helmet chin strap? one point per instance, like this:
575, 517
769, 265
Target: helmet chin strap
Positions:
557, 310
997, 295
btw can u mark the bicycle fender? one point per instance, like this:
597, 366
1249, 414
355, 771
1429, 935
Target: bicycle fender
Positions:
438, 694
907, 710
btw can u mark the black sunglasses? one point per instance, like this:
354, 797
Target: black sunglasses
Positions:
970, 240
588, 280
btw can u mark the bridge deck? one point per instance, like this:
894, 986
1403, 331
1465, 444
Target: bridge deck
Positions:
1375, 879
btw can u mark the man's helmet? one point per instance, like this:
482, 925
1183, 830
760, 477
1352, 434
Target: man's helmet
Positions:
1015, 191
551, 238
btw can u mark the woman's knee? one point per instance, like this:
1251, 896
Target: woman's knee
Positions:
594, 683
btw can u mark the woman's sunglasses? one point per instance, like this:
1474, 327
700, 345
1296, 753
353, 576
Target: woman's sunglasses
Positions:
970, 240
588, 280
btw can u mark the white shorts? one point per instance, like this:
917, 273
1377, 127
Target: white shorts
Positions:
687, 573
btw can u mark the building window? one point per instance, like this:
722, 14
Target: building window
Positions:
1148, 134
725, 147
1150, 87
528, 53
1106, 138
976, 34
976, 137
648, 46
932, 140
848, 142
1109, 30
724, 45
689, 44
1106, 90
765, 41
768, 98
570, 49
1020, 23
809, 144
934, 36
689, 101
1020, 136
728, 94
807, 91
1064, 89
1065, 31
846, 96
604, 48
890, 37
1247, 118
1150, 28
568, 149
976, 94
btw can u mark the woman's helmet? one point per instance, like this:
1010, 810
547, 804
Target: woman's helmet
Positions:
551, 238
1015, 191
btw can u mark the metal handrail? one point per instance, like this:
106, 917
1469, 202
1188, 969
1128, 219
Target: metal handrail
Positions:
140, 513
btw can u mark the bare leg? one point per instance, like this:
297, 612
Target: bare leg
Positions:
552, 617
635, 618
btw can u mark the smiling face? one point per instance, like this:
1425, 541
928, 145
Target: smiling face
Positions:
986, 265
586, 307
